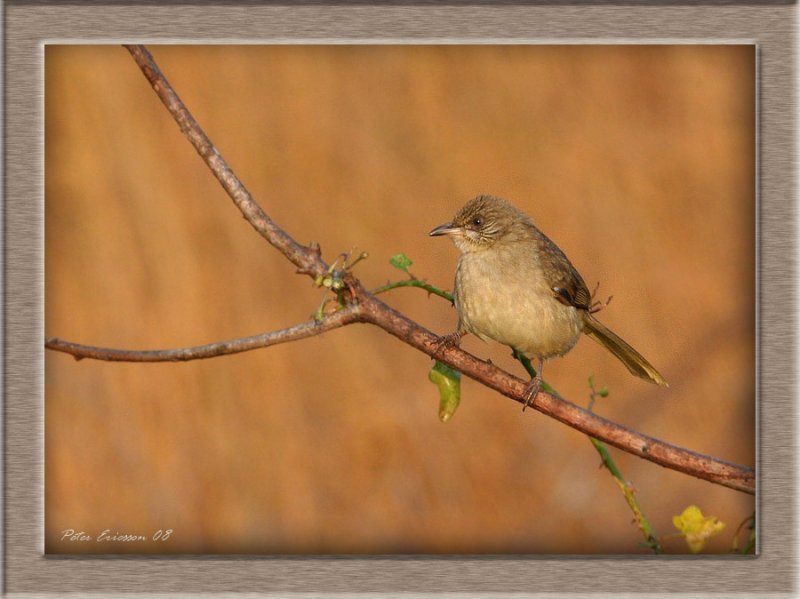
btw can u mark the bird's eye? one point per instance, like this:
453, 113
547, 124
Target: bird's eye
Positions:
477, 221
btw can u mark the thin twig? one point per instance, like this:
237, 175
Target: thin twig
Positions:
627, 489
751, 538
414, 282
630, 497
212, 350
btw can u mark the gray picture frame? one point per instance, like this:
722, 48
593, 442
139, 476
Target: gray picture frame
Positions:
30, 25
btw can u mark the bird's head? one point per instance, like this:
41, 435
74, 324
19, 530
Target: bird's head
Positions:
484, 221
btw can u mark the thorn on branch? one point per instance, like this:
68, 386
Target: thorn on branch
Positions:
315, 253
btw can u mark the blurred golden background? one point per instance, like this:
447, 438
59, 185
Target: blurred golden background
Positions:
637, 160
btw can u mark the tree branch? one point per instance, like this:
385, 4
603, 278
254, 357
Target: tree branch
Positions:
362, 306
307, 259
212, 350
677, 458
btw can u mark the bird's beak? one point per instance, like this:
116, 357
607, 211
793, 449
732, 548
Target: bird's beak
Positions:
445, 229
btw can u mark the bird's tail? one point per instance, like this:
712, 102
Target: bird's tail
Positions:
633, 360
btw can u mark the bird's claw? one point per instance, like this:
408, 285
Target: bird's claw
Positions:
531, 390
446, 341
596, 306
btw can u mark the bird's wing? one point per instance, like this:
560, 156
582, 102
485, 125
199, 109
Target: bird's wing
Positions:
567, 284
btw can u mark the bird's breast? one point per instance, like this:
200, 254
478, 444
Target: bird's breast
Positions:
501, 294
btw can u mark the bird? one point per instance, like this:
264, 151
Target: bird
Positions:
515, 286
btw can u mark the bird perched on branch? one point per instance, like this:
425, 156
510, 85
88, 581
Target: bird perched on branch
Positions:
515, 286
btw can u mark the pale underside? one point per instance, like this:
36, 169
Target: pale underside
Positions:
522, 312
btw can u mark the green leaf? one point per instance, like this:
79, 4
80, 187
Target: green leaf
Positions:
401, 261
449, 383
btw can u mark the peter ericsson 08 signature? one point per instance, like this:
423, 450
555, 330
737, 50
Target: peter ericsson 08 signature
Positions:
70, 535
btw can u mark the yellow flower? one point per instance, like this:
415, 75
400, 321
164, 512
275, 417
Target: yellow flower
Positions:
697, 528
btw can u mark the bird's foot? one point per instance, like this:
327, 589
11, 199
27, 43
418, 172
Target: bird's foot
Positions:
531, 390
446, 341
596, 306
